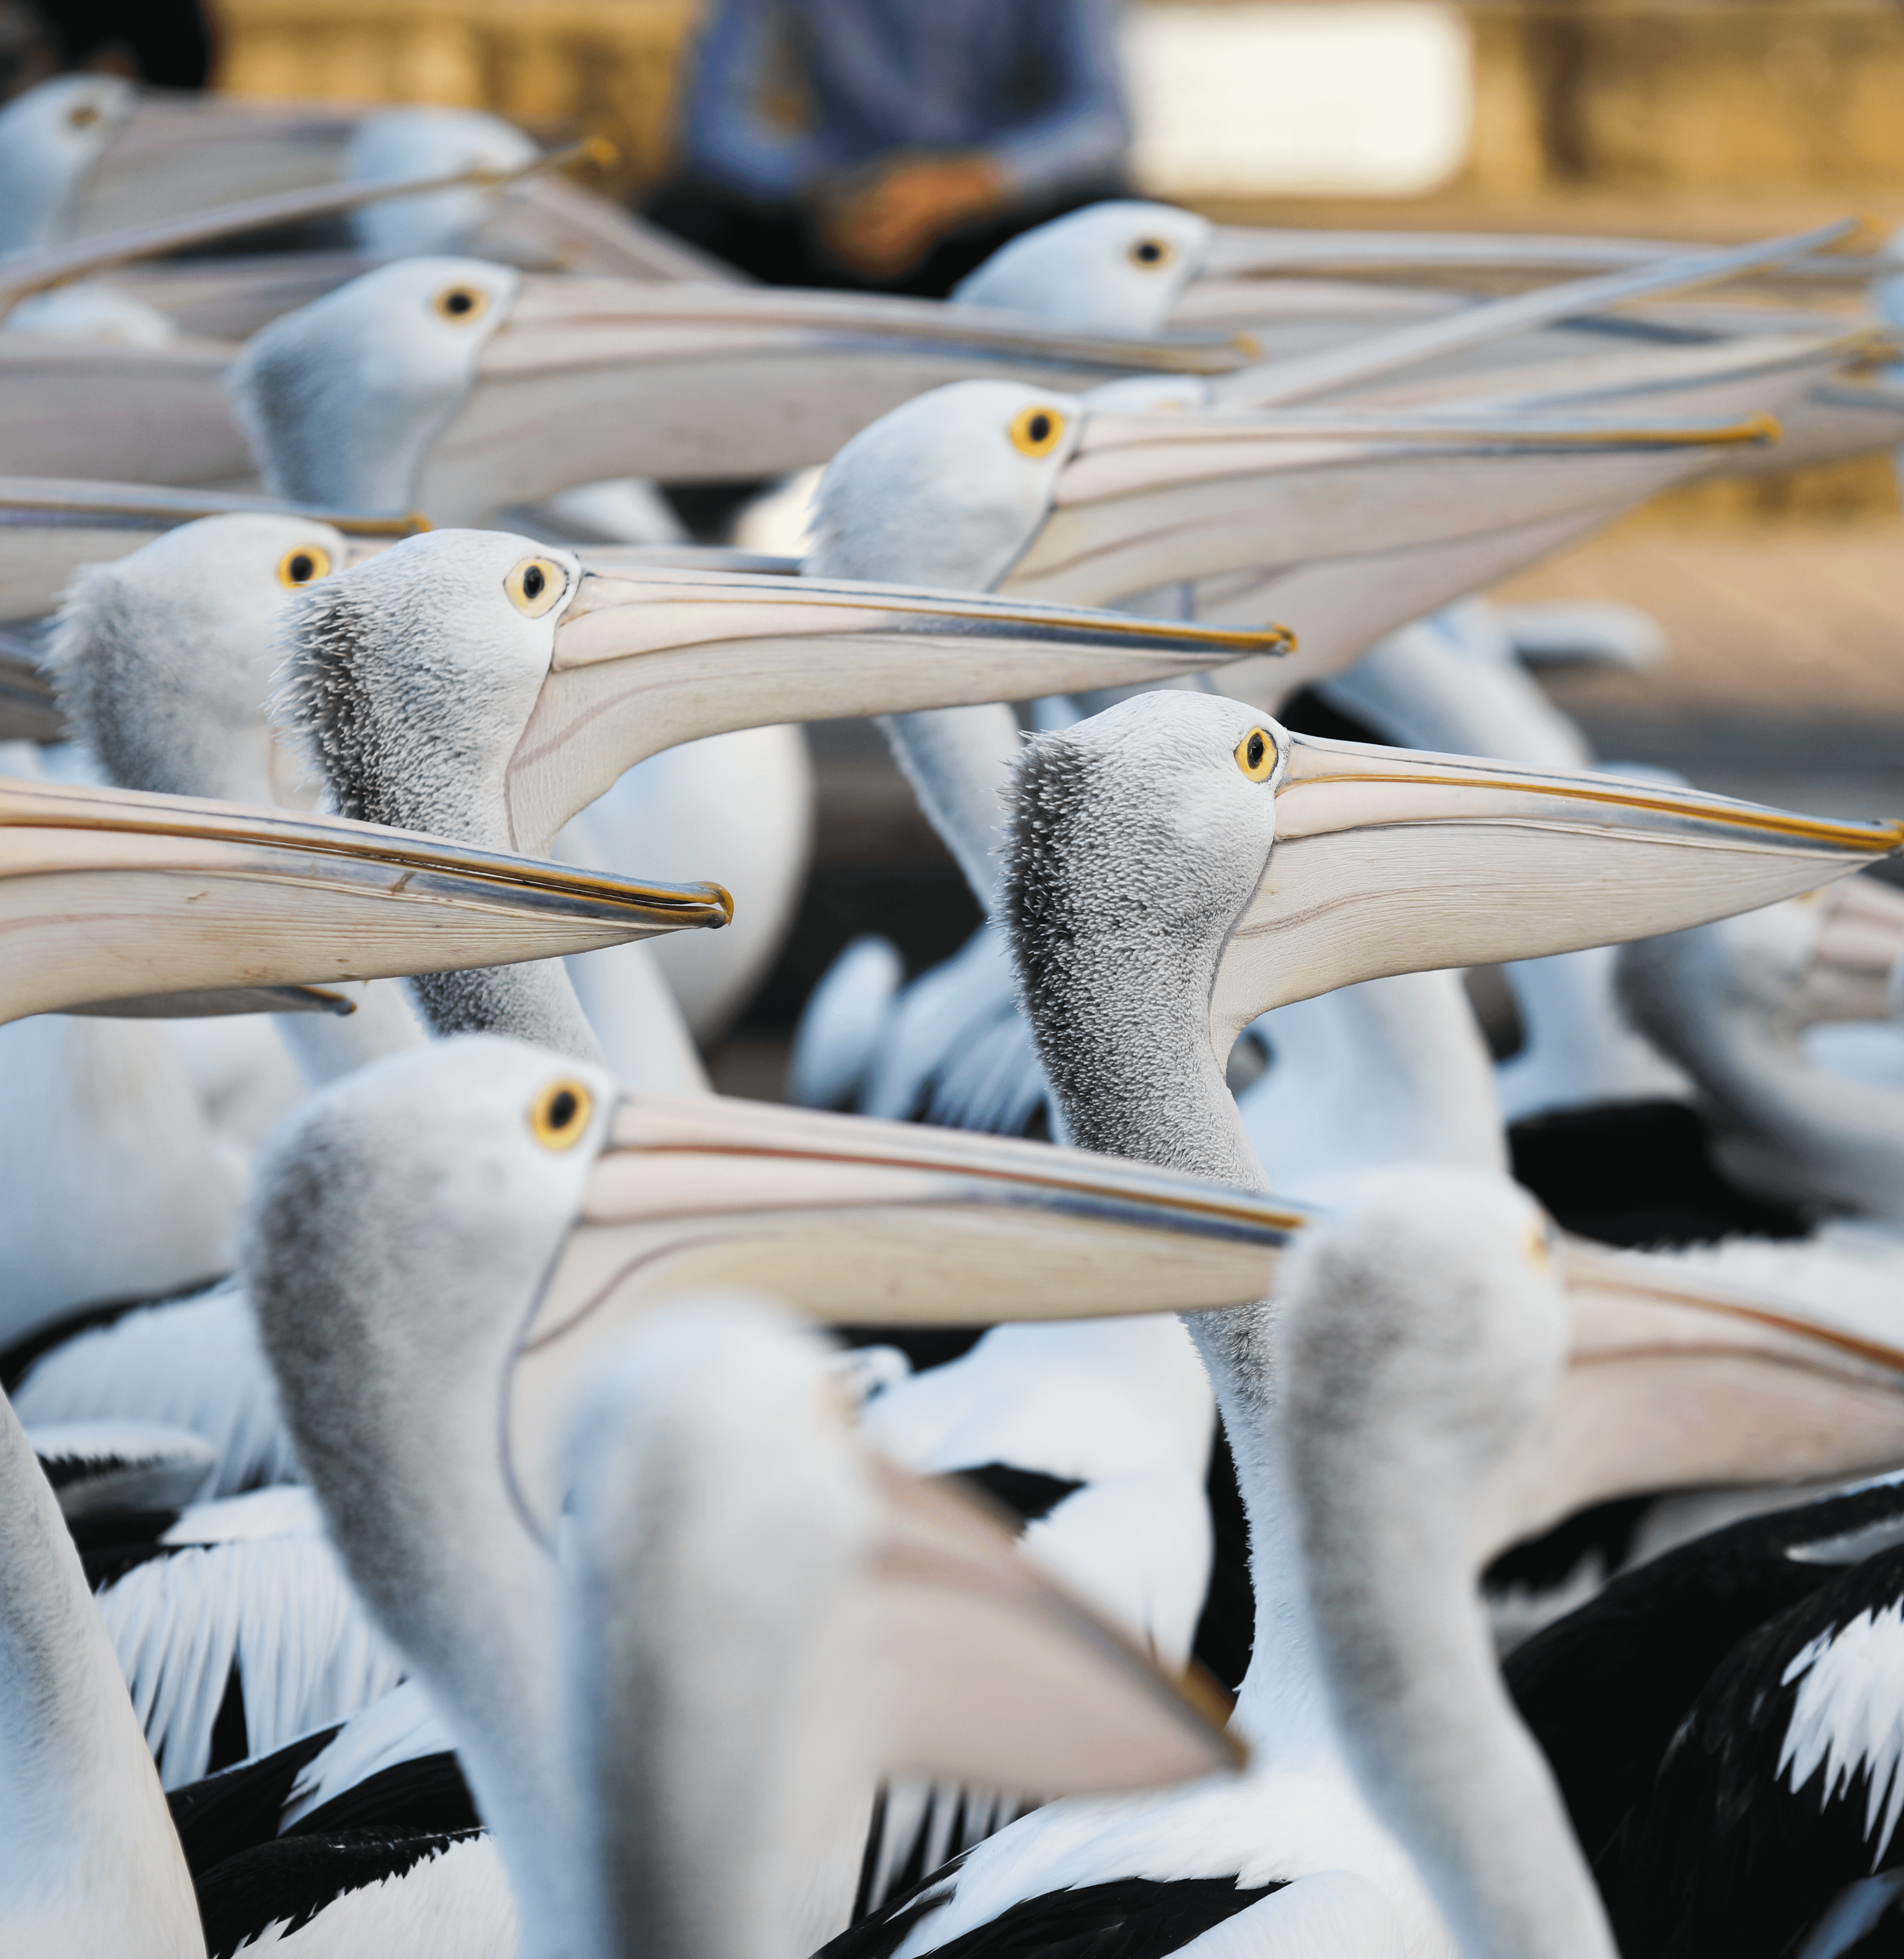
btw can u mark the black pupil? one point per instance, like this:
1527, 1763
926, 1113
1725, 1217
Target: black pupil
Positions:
458, 303
301, 568
532, 583
1149, 252
1040, 428
1255, 752
562, 1108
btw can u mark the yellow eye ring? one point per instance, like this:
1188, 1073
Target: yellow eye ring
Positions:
1037, 432
1151, 255
559, 1116
82, 114
304, 565
535, 585
1539, 1248
461, 304
1256, 754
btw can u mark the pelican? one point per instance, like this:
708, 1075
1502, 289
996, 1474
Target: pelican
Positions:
1418, 1053
604, 1206
1133, 1003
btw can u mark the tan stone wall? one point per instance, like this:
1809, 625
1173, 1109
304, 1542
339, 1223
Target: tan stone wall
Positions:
1730, 95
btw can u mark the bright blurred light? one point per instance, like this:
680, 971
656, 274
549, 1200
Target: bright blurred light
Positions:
1258, 97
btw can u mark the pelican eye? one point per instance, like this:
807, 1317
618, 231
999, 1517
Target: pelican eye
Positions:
304, 566
461, 303
559, 1117
82, 115
1538, 1248
1036, 431
1151, 252
535, 585
1256, 755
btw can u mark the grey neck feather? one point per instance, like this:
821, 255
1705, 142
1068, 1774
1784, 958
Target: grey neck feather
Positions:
393, 741
1118, 997
89, 1860
387, 1343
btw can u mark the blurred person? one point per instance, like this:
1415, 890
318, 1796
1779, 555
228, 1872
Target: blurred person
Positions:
892, 143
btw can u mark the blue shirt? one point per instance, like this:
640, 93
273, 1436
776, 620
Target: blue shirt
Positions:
786, 92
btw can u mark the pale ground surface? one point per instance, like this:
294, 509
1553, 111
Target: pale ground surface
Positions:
1786, 679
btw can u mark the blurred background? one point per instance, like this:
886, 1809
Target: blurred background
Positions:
1781, 596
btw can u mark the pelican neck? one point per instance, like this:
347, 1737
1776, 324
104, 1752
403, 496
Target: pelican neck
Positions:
1126, 1039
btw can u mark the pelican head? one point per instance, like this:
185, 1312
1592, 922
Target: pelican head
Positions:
1118, 267
426, 140
949, 489
1339, 862
49, 139
340, 398
163, 658
475, 684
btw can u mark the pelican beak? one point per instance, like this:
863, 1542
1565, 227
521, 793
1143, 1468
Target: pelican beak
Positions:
856, 1220
1677, 1382
111, 898
1389, 861
983, 1670
1156, 499
1857, 970
643, 661
594, 377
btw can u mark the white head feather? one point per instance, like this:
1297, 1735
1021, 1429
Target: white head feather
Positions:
340, 398
1114, 268
939, 492
422, 139
49, 139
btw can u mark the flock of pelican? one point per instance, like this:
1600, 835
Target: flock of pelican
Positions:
466, 1489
